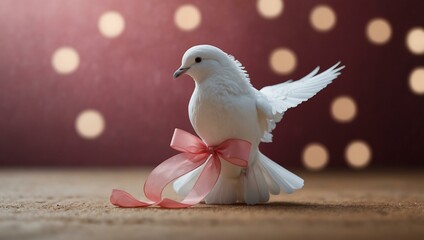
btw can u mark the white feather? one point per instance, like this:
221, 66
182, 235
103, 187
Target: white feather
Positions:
291, 93
287, 181
184, 184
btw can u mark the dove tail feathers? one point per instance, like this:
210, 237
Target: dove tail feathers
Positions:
262, 177
265, 176
277, 177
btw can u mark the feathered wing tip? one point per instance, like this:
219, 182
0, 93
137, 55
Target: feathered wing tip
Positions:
290, 94
336, 67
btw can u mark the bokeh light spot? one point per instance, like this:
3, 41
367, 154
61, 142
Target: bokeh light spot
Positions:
416, 80
415, 40
343, 109
65, 60
315, 156
187, 17
323, 18
283, 61
90, 124
111, 24
379, 31
270, 8
358, 154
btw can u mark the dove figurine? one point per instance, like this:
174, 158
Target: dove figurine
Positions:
224, 105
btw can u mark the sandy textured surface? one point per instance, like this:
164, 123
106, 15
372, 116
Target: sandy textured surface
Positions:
73, 204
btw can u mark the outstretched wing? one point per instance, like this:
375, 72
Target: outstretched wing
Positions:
289, 94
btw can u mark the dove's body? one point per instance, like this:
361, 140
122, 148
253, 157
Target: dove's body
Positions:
224, 105
215, 115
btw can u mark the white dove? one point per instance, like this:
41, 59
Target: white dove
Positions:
225, 105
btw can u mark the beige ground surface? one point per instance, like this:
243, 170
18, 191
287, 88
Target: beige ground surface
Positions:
73, 204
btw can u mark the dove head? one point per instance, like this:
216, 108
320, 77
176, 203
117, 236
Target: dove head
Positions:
202, 61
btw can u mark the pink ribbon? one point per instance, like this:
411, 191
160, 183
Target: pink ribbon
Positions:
194, 153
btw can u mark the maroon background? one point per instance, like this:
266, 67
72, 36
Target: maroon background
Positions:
129, 78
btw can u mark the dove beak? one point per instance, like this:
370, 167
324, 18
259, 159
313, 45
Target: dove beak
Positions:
180, 71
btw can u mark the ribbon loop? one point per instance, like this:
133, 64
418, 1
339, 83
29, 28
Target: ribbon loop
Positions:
185, 142
194, 153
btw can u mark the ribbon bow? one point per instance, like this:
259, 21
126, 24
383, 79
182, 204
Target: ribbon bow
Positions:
194, 153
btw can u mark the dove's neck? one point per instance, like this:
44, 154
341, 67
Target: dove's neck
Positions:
223, 81
218, 86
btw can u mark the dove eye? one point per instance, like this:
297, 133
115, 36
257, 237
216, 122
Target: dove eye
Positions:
198, 59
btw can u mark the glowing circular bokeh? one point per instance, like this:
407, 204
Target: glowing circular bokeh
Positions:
283, 61
270, 8
416, 80
358, 154
111, 24
315, 156
323, 18
379, 31
65, 60
343, 109
90, 124
187, 17
415, 40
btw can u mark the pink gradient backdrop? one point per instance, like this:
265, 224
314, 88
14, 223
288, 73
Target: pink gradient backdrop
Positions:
129, 79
